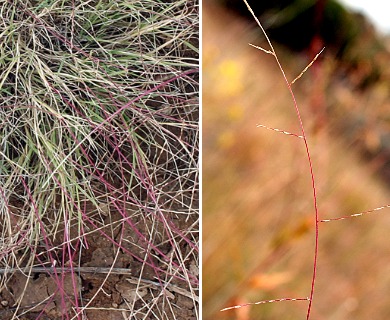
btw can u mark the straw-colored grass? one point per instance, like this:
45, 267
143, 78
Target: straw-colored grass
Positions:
99, 114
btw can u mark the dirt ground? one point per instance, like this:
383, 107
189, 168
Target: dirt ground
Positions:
110, 282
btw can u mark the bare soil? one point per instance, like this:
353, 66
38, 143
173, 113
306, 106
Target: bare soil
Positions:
109, 282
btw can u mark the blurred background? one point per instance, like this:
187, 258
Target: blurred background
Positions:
258, 215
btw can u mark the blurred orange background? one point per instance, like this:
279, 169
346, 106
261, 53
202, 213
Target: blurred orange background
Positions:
258, 215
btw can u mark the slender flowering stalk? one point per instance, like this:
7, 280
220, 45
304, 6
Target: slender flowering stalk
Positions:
304, 137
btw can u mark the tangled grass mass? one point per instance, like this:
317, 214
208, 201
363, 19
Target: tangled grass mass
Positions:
99, 159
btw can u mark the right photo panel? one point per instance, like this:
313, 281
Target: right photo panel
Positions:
296, 160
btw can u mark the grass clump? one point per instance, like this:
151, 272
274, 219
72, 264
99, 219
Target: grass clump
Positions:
98, 141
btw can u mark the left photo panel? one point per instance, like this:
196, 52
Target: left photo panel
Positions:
99, 160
